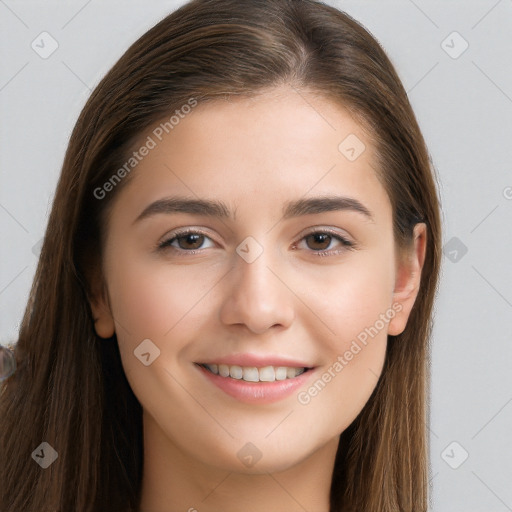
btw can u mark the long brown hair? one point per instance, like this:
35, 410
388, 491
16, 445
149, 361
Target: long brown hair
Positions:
70, 390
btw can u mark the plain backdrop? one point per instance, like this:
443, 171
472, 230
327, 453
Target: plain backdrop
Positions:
454, 59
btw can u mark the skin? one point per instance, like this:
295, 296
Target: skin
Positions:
254, 155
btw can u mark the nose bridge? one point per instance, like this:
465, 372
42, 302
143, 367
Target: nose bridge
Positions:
252, 269
257, 297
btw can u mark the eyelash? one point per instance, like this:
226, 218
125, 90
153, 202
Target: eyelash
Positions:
347, 244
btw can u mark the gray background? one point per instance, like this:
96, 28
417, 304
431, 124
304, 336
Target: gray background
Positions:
463, 102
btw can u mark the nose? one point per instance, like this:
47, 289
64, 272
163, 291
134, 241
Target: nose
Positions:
257, 296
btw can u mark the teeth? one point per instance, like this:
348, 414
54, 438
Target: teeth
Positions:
236, 372
290, 373
253, 374
223, 370
281, 373
267, 374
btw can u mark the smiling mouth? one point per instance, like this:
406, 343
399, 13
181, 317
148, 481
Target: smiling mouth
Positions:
254, 374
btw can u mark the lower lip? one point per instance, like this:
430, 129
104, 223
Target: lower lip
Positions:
257, 392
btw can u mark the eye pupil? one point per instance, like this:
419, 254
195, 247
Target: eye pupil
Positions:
321, 238
192, 238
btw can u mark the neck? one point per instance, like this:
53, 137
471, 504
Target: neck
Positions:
175, 482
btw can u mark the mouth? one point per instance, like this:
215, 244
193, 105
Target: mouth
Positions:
256, 378
253, 373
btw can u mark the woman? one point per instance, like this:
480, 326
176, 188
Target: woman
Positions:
233, 302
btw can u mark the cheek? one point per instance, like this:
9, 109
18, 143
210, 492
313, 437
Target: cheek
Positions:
350, 297
165, 304
339, 392
151, 300
356, 306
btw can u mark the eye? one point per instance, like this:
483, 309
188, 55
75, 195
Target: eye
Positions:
321, 240
190, 240
186, 240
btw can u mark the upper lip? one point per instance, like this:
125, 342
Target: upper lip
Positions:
257, 360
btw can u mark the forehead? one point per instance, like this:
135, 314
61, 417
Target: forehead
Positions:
256, 153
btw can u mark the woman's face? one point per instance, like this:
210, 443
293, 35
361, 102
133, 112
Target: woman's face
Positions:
252, 286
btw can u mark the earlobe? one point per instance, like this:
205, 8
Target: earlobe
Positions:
103, 319
407, 283
103, 322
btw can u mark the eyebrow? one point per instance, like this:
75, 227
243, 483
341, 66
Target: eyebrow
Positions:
219, 209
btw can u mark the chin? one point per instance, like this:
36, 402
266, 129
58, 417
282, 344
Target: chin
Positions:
256, 459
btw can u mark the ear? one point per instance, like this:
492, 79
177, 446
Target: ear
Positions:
100, 306
407, 281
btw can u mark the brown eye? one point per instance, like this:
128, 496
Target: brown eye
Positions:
186, 241
319, 241
191, 241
